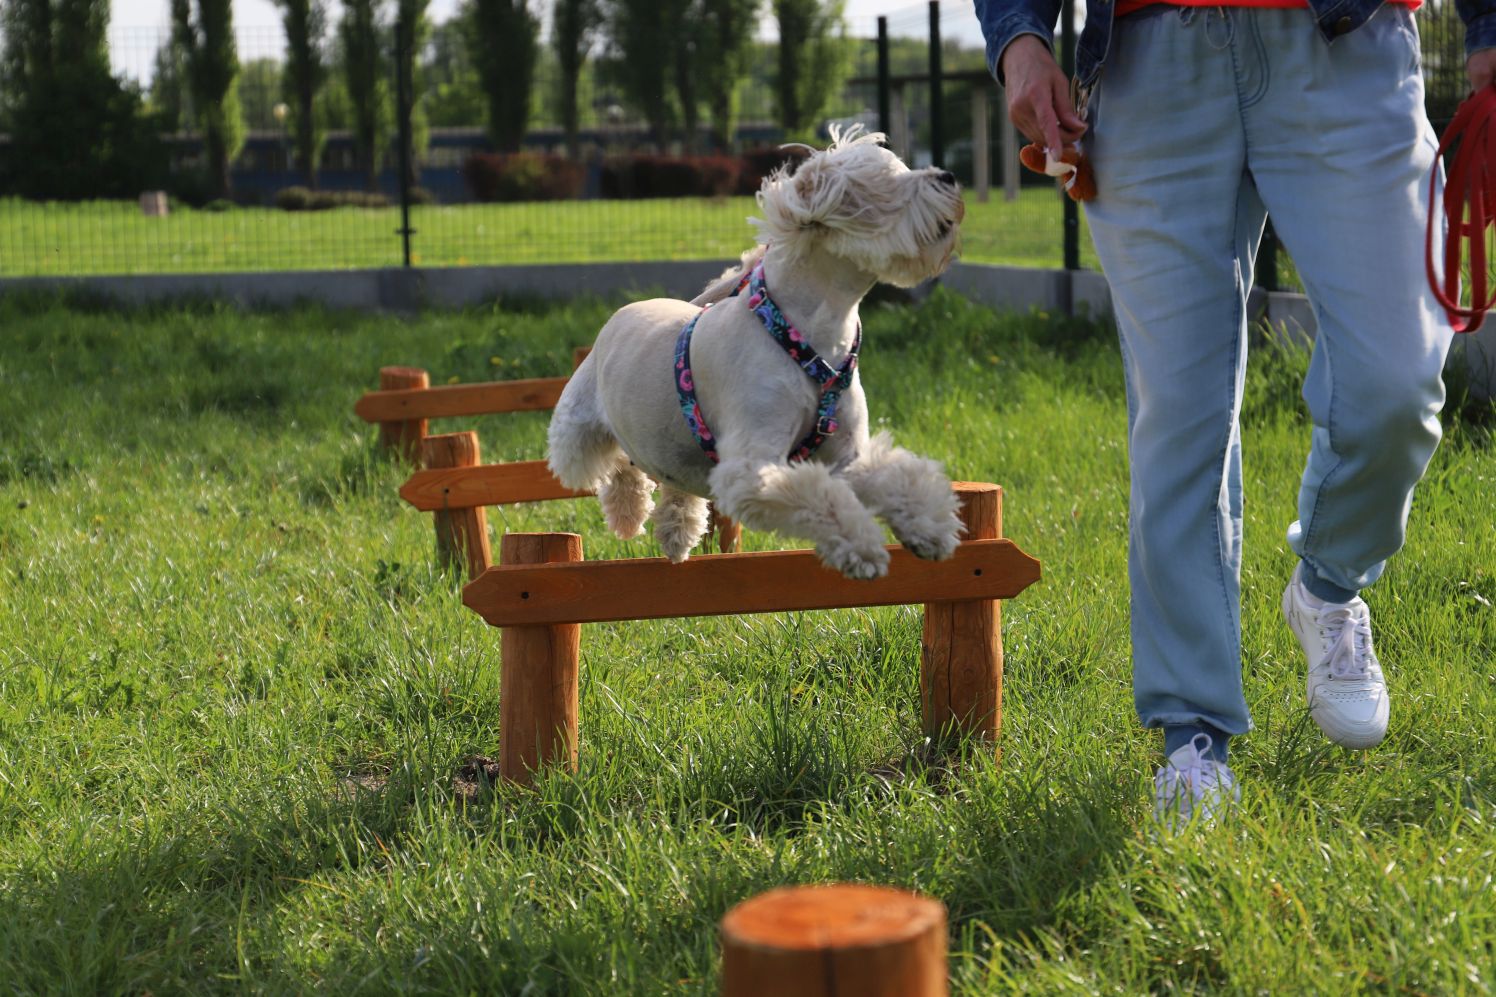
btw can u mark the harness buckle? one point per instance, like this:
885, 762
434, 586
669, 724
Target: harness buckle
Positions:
827, 424
818, 370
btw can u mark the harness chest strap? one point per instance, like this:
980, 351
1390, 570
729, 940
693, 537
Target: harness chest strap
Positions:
832, 380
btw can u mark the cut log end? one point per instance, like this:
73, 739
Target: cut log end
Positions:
832, 940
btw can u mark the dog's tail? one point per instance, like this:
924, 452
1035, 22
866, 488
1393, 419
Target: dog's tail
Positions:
731, 277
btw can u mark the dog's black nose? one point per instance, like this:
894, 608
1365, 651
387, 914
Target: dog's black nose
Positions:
946, 177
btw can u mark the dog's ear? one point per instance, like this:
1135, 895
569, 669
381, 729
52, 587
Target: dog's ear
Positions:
810, 187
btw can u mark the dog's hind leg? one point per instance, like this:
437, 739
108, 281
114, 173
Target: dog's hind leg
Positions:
911, 493
803, 500
627, 498
680, 521
582, 451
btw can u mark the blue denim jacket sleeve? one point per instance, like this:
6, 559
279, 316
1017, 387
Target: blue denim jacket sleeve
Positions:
1004, 20
1479, 17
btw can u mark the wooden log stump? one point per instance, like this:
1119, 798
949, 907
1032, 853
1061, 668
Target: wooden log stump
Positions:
403, 436
461, 533
538, 686
838, 940
961, 659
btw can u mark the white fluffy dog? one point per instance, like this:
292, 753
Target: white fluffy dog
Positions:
850, 216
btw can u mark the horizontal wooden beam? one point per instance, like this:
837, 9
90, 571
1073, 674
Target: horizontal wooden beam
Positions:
726, 584
439, 489
460, 399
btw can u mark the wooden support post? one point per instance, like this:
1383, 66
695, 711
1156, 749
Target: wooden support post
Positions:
961, 660
729, 531
538, 682
838, 940
403, 436
461, 533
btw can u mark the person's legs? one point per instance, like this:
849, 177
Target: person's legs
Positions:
1342, 154
1176, 223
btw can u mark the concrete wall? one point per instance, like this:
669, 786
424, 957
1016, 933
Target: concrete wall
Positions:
391, 289
396, 289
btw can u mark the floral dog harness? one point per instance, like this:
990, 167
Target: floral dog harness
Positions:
832, 380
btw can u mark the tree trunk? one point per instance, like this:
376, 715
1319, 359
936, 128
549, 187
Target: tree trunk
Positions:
218, 161
569, 116
306, 131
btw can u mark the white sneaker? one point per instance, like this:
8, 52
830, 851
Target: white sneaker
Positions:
1346, 692
1193, 785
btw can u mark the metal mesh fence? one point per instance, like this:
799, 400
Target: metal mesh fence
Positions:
942, 108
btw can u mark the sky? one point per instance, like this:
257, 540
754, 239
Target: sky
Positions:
136, 25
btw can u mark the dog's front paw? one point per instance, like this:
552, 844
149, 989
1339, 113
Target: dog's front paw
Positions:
854, 561
934, 541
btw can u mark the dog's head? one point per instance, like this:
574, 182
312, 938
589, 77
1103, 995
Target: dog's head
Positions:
858, 201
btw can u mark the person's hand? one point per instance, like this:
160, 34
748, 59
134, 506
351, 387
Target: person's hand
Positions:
1039, 94
1480, 68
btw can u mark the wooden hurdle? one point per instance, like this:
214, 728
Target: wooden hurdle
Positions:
835, 940
455, 485
405, 401
543, 591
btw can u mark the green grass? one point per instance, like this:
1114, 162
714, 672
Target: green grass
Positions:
57, 239
235, 691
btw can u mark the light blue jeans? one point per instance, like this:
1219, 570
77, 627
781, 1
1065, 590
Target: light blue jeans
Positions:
1205, 119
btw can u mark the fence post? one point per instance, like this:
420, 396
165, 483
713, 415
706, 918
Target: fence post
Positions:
937, 93
961, 657
1012, 168
403, 436
885, 117
461, 534
835, 940
538, 685
899, 139
403, 102
981, 142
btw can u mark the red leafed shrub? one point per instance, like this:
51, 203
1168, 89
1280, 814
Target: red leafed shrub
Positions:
522, 176
670, 176
759, 163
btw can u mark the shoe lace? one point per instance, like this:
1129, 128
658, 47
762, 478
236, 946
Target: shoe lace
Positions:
1349, 635
1199, 777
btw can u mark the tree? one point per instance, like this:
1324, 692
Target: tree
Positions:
260, 83
411, 32
454, 95
814, 59
574, 25
76, 131
723, 58
685, 56
170, 100
641, 33
501, 39
207, 45
305, 23
366, 74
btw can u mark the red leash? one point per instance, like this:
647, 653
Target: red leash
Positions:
1472, 182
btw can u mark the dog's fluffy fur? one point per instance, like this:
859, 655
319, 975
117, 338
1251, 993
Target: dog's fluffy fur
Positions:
851, 215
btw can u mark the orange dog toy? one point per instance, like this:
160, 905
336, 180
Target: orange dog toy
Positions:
1072, 169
